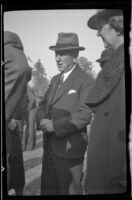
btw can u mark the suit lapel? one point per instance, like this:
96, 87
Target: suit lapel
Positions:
66, 85
54, 88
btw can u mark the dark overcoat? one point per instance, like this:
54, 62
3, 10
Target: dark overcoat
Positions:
16, 174
17, 72
106, 158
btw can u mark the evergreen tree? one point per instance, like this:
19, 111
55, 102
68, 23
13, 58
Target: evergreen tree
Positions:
87, 66
40, 79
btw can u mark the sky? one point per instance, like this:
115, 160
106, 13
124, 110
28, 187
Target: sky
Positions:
38, 29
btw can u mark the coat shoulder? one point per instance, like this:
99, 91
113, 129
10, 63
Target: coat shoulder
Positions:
85, 77
54, 77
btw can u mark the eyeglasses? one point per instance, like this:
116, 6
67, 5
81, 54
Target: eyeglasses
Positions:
100, 26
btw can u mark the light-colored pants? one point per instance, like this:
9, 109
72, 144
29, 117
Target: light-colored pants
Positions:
30, 134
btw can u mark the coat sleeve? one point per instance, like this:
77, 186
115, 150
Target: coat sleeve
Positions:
42, 111
78, 120
17, 74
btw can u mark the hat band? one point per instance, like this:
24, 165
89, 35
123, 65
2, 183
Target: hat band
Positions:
62, 45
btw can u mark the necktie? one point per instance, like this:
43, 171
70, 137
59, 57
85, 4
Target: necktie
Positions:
61, 80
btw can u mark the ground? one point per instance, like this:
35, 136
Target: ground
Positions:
32, 166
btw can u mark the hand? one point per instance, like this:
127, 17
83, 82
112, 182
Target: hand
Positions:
42, 123
47, 125
12, 124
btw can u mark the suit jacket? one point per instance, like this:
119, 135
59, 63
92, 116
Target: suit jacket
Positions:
17, 72
66, 107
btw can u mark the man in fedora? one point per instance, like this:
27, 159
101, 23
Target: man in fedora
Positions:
64, 145
106, 158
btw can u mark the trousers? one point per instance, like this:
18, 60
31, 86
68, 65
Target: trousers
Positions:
56, 176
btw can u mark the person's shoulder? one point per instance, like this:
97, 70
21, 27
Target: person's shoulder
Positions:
84, 75
14, 55
54, 77
12, 39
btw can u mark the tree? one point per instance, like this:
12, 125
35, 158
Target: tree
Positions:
40, 79
86, 66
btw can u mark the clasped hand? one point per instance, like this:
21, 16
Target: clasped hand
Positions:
12, 124
46, 125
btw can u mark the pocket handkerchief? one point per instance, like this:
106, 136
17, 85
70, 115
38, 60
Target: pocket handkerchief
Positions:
68, 146
72, 91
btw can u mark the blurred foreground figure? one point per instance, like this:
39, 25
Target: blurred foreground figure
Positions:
105, 55
106, 158
17, 74
16, 175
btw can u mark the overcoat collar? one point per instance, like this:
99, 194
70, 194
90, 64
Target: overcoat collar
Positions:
64, 87
54, 88
108, 78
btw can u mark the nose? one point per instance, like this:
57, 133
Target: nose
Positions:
58, 57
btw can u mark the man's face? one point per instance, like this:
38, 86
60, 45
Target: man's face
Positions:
64, 60
108, 35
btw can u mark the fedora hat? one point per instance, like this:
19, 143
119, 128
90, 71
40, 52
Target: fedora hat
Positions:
102, 15
67, 41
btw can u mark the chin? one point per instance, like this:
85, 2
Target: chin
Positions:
106, 45
59, 68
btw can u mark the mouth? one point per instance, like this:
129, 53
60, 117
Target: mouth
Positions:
59, 65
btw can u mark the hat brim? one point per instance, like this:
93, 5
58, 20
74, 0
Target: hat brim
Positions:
98, 60
106, 54
104, 15
101, 60
54, 48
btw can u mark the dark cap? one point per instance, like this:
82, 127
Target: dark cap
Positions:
102, 15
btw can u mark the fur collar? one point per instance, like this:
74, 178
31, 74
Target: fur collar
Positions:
108, 78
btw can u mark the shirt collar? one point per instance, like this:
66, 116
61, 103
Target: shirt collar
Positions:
66, 74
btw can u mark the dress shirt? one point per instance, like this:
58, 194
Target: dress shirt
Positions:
66, 74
